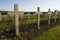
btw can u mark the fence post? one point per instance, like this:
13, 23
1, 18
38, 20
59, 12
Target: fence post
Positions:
49, 16
56, 15
16, 19
38, 15
0, 17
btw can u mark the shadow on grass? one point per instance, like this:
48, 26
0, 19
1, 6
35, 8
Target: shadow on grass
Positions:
29, 31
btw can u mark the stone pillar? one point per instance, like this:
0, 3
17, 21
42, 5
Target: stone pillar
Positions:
16, 19
49, 17
17, 24
15, 7
59, 16
38, 15
0, 17
56, 15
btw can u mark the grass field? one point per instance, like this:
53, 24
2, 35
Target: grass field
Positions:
23, 22
28, 28
51, 34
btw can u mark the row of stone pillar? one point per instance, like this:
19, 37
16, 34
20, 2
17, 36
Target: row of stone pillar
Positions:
49, 16
38, 17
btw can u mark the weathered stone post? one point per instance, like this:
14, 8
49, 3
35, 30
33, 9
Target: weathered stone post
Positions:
16, 19
59, 16
49, 16
38, 15
0, 17
56, 15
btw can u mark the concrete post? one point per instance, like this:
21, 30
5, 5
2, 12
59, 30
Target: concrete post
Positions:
0, 17
56, 15
38, 13
15, 7
49, 17
16, 19
17, 24
59, 17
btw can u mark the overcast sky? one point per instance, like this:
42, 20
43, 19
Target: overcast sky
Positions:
30, 5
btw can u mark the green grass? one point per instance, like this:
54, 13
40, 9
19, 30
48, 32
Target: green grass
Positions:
26, 22
6, 25
23, 22
52, 34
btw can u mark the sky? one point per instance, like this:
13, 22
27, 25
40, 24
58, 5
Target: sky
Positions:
30, 5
